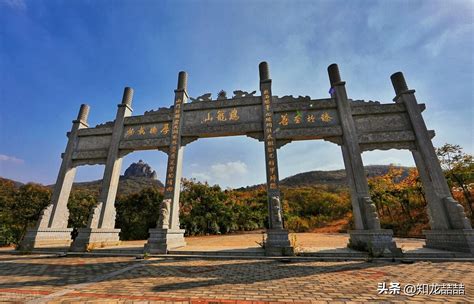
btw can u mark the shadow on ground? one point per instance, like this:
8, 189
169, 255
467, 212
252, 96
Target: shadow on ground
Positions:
205, 273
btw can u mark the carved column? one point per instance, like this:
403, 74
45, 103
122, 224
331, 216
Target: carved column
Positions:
277, 242
51, 229
367, 233
451, 230
100, 228
167, 234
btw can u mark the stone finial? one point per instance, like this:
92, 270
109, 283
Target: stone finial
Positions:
398, 82
182, 80
127, 96
334, 76
83, 113
264, 71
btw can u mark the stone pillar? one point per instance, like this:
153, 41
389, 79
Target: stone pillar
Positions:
100, 229
367, 234
451, 230
277, 242
51, 229
167, 234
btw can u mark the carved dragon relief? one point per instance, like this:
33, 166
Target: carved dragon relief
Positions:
370, 212
45, 216
203, 97
242, 94
163, 110
222, 95
289, 98
105, 124
276, 212
94, 216
360, 101
164, 218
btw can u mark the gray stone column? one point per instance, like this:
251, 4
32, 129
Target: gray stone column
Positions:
367, 234
51, 229
451, 230
100, 229
167, 234
277, 242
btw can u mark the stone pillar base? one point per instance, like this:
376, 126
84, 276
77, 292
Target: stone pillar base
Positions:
278, 243
46, 238
376, 242
162, 240
90, 238
461, 240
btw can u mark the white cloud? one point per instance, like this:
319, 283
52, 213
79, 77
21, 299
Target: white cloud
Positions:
11, 159
232, 173
228, 170
15, 4
203, 177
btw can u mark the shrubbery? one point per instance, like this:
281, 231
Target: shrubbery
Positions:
136, 213
206, 209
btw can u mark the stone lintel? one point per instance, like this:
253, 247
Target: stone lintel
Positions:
163, 240
461, 240
54, 238
89, 238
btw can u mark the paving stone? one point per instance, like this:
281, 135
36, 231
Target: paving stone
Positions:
246, 281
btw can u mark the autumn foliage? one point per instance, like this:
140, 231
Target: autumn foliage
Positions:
398, 196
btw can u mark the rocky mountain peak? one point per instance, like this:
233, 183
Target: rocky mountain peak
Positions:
140, 169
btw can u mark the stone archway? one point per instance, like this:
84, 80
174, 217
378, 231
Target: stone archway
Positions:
356, 126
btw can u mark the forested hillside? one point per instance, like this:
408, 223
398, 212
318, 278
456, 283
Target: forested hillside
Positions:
312, 201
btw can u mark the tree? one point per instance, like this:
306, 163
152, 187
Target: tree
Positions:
8, 191
205, 210
137, 213
20, 208
400, 200
80, 205
459, 170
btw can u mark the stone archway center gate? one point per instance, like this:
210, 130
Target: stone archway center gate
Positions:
355, 125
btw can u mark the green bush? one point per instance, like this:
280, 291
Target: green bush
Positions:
20, 208
297, 224
137, 213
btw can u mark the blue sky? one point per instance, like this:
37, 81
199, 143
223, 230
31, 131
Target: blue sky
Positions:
55, 55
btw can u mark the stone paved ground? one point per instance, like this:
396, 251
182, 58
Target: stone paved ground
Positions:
41, 279
308, 242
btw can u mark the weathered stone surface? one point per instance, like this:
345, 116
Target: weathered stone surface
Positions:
355, 125
277, 243
375, 241
46, 238
90, 238
452, 240
140, 169
380, 126
162, 240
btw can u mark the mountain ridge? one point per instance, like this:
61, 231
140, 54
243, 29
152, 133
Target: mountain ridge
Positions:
129, 183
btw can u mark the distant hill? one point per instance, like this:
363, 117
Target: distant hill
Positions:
127, 185
334, 177
137, 177
130, 183
15, 183
329, 178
